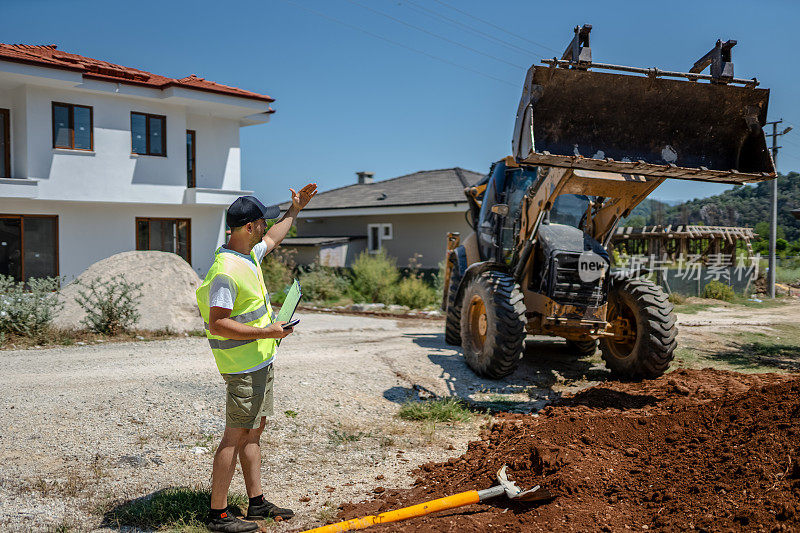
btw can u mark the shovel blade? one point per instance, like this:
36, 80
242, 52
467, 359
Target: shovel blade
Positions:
634, 124
536, 494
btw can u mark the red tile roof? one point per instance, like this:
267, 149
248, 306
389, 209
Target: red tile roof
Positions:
50, 56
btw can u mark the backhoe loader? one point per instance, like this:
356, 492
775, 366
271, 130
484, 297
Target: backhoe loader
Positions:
591, 141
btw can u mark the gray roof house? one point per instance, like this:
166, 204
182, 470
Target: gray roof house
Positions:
408, 216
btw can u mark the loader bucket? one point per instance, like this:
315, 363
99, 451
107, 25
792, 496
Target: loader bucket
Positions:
643, 125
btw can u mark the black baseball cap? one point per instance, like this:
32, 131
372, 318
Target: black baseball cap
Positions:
248, 209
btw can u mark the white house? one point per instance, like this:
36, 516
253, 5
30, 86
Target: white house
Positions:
407, 216
96, 159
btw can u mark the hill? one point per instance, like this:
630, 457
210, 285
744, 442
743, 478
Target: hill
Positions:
744, 205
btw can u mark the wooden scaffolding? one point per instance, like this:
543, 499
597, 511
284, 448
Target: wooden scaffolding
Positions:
683, 241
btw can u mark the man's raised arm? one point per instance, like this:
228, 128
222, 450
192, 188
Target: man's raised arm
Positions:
280, 229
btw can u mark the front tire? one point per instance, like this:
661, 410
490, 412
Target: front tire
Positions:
648, 351
493, 324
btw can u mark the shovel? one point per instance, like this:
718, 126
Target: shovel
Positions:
509, 488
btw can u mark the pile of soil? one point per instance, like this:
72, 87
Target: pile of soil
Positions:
704, 450
168, 285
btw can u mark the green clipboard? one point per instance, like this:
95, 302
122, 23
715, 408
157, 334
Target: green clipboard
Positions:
289, 304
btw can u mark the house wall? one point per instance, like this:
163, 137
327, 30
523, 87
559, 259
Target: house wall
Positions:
111, 173
333, 255
14, 100
425, 234
97, 195
90, 232
218, 153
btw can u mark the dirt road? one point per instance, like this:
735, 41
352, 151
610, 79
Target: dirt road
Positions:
84, 428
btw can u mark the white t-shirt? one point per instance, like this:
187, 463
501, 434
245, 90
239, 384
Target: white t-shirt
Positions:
222, 292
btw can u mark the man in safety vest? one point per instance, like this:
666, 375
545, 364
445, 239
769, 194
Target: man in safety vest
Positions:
234, 304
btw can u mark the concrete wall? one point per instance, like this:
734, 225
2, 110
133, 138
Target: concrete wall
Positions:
425, 234
98, 194
90, 232
218, 153
14, 100
111, 172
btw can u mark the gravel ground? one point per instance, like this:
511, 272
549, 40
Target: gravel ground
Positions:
84, 428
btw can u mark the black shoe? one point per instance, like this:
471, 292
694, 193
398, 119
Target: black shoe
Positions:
227, 523
268, 510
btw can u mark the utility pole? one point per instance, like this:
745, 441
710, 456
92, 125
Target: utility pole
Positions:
773, 217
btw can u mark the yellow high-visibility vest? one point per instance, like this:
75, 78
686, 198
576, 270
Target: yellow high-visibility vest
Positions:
251, 307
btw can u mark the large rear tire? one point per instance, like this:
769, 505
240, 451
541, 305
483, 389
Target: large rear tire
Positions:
493, 324
648, 351
452, 321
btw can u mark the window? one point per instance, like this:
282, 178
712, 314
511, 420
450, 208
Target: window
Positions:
148, 134
165, 234
376, 234
191, 180
72, 126
28, 246
5, 144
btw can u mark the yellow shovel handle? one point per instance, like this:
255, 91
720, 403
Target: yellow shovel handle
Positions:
449, 502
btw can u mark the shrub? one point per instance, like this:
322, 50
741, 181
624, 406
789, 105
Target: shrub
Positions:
110, 304
278, 270
718, 291
323, 284
374, 276
28, 311
414, 293
676, 298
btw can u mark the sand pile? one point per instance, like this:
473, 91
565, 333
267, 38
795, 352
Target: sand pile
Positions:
168, 285
694, 450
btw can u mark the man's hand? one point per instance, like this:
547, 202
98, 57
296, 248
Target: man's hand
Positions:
301, 199
276, 331
280, 229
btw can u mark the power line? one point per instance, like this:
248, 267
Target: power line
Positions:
495, 26
434, 14
790, 156
436, 35
791, 141
401, 45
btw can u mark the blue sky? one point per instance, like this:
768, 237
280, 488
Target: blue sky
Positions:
349, 100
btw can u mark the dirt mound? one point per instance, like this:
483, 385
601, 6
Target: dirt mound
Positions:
706, 450
168, 285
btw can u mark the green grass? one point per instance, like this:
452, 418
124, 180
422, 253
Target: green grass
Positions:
176, 509
777, 350
787, 275
290, 414
442, 410
690, 309
696, 307
766, 303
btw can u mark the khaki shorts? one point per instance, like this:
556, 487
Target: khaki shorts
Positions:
249, 397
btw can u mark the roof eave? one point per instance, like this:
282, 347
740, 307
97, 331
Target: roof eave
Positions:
101, 77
